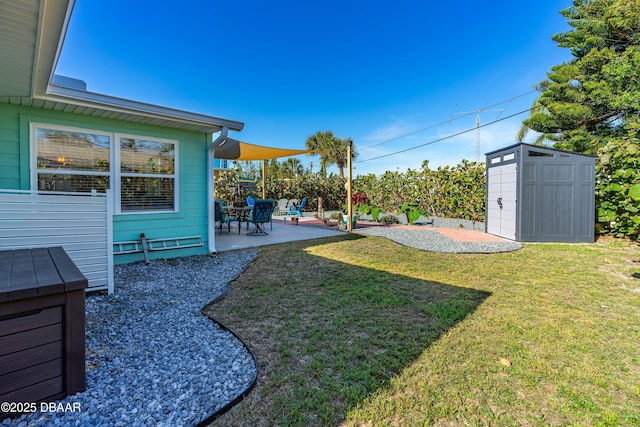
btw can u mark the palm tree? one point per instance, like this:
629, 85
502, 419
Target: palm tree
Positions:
331, 149
318, 143
292, 167
274, 169
339, 153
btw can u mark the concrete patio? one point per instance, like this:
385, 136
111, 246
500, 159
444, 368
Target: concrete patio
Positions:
283, 231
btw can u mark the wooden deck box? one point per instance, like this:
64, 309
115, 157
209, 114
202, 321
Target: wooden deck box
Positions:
42, 326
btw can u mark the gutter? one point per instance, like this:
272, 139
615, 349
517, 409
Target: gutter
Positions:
219, 141
57, 93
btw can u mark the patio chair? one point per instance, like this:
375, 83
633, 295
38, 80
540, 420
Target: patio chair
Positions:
273, 209
262, 210
250, 202
297, 210
282, 207
223, 217
291, 203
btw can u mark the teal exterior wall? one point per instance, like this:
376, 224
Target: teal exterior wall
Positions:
191, 220
11, 173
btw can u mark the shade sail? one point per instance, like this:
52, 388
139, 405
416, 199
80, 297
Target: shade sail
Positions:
238, 150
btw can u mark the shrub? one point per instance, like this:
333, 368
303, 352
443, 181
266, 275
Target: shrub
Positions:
331, 189
618, 189
359, 198
449, 192
412, 211
374, 211
389, 219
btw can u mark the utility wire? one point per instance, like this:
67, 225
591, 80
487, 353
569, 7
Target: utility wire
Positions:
361, 149
444, 138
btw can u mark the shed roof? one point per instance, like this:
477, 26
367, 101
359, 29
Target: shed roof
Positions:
33, 33
536, 147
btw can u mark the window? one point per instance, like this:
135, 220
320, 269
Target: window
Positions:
533, 153
147, 174
75, 160
72, 161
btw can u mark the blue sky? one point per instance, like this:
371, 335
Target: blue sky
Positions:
383, 73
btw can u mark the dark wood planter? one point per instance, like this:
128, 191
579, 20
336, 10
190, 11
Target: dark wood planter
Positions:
42, 326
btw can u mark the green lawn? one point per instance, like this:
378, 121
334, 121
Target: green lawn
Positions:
363, 331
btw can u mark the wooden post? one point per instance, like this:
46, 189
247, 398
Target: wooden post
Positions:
264, 178
349, 203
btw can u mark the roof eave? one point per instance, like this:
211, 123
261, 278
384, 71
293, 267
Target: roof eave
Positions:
53, 22
111, 103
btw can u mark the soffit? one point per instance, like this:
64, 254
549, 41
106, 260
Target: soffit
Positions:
19, 29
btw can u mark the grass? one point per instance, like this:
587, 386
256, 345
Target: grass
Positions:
363, 331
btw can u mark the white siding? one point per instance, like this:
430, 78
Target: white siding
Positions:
81, 224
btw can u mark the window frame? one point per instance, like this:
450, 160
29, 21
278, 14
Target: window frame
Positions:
114, 173
118, 174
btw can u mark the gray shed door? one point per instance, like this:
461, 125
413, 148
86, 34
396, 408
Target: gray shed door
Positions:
501, 200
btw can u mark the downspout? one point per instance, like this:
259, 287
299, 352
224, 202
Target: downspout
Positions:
211, 213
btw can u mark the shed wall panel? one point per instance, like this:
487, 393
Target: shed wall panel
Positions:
556, 209
502, 200
528, 203
557, 172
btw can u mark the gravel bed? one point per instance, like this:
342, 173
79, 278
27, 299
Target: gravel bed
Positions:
153, 358
439, 222
453, 223
430, 240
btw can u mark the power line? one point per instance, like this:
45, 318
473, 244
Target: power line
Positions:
444, 138
482, 110
361, 149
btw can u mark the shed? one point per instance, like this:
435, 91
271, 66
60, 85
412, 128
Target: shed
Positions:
540, 194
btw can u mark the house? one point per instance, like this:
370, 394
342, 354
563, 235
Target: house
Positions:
155, 162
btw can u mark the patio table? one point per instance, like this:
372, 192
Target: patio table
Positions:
241, 213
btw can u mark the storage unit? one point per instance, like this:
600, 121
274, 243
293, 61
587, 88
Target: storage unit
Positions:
42, 326
539, 194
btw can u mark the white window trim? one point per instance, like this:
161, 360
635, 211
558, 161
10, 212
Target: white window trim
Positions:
114, 172
33, 150
176, 174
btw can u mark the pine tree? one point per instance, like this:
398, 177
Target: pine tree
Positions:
595, 97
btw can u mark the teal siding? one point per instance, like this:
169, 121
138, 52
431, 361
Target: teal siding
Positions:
7, 136
9, 174
191, 220
9, 149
